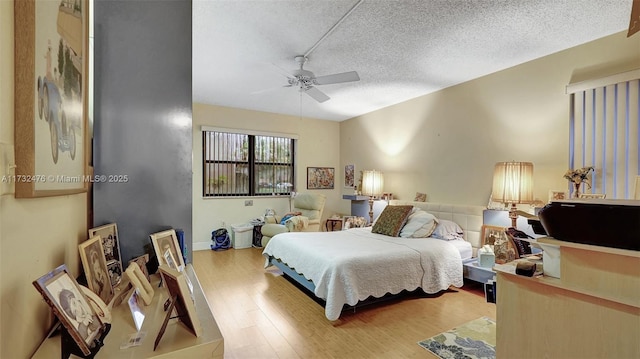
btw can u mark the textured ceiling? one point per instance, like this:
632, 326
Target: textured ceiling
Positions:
400, 49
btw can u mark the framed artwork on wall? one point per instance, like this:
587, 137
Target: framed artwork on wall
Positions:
320, 177
349, 176
51, 97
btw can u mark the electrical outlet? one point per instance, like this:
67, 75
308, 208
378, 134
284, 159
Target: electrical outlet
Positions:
248, 202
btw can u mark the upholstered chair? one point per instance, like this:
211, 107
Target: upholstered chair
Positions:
310, 207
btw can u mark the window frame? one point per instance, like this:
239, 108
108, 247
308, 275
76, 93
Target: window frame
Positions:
251, 162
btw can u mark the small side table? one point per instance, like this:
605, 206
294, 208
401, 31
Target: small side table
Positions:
332, 223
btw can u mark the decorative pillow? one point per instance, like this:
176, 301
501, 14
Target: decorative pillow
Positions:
419, 224
420, 197
391, 220
448, 231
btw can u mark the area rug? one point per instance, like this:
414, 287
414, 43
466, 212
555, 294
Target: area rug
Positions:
475, 340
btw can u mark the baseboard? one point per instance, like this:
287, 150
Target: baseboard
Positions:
201, 246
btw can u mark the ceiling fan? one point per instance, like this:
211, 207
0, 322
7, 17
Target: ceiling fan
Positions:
306, 81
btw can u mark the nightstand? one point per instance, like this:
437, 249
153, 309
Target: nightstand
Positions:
474, 272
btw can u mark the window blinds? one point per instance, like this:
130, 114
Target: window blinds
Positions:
604, 132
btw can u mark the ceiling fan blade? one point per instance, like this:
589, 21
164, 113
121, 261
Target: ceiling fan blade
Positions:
268, 90
317, 94
337, 78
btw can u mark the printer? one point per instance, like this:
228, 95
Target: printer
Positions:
600, 222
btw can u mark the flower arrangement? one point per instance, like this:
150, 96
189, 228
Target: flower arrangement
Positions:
580, 175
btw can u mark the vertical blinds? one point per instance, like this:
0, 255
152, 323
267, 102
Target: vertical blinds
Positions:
604, 132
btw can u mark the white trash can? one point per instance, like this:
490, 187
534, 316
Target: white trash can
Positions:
242, 235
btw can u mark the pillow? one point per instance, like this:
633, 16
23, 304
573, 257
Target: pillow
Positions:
419, 224
420, 197
391, 220
448, 231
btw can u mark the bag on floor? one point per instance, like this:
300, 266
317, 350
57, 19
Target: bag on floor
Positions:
221, 240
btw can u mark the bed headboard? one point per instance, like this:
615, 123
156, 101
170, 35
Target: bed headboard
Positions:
467, 216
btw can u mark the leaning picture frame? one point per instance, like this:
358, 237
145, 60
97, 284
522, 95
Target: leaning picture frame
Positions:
490, 233
320, 177
95, 268
111, 246
557, 195
51, 90
67, 301
167, 240
177, 287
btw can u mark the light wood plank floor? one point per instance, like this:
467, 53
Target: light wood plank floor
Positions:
263, 315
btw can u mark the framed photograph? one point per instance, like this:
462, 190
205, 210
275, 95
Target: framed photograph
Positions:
636, 193
557, 195
136, 309
177, 287
51, 97
490, 233
349, 176
140, 283
111, 246
141, 262
320, 177
63, 294
167, 240
95, 268
353, 222
592, 195
115, 272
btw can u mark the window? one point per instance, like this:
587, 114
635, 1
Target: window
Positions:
240, 164
604, 132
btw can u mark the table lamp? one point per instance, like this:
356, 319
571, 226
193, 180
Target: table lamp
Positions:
372, 186
513, 184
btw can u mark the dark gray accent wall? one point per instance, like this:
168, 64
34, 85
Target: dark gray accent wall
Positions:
143, 119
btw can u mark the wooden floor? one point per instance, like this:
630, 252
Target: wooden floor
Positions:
263, 315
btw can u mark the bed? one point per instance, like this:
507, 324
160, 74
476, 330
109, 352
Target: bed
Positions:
347, 267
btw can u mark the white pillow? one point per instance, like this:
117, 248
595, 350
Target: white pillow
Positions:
419, 224
448, 231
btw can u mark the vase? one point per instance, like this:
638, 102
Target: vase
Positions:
576, 192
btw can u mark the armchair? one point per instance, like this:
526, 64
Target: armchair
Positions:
309, 205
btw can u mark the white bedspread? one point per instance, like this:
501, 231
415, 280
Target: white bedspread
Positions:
348, 266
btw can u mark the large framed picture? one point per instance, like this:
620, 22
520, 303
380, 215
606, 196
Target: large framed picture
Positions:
167, 240
51, 97
95, 268
63, 294
320, 177
111, 246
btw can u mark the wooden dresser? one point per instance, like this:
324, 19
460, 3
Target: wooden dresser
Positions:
591, 311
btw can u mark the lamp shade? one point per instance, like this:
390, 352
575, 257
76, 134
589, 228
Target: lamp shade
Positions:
513, 182
372, 183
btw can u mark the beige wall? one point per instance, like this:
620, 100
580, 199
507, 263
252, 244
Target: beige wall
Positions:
318, 145
446, 143
36, 235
